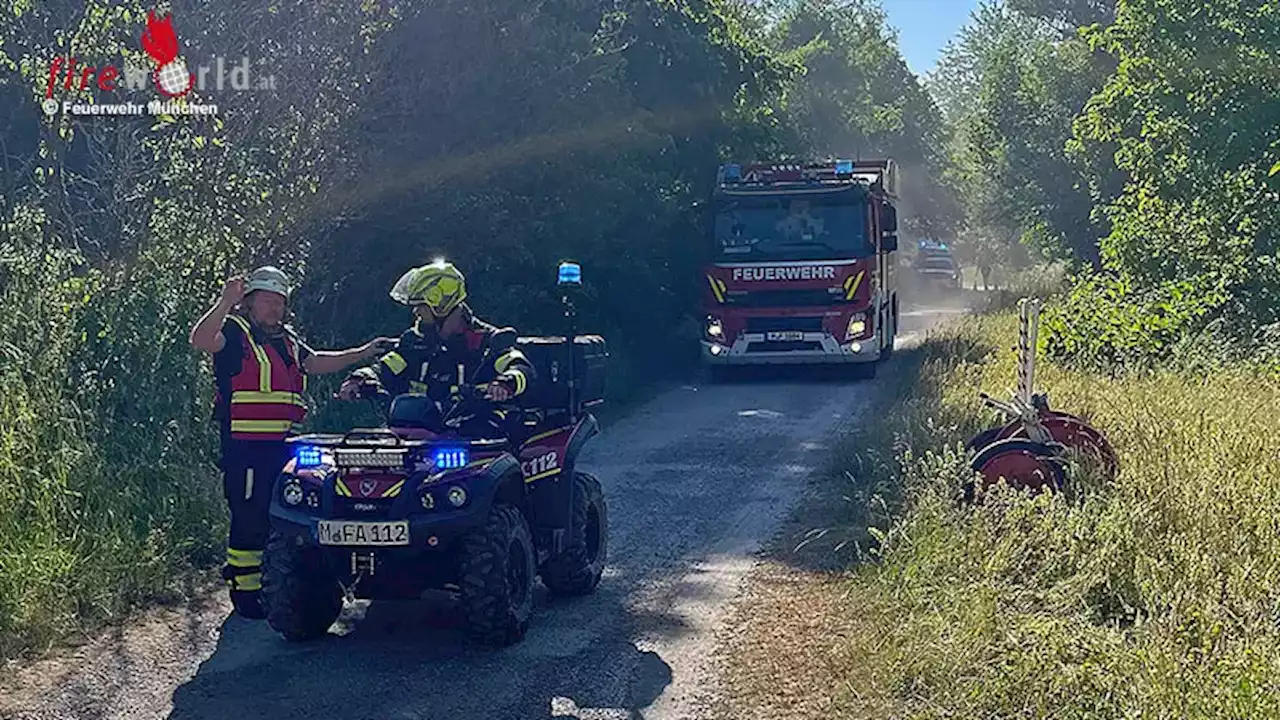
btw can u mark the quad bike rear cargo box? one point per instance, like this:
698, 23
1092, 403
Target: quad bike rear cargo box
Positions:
550, 357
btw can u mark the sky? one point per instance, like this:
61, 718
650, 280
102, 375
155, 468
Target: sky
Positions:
925, 26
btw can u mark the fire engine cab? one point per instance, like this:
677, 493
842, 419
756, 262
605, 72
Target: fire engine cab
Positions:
802, 267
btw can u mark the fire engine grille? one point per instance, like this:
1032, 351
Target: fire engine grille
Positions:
783, 298
756, 347
772, 324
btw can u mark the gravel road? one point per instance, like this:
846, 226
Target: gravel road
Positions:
695, 480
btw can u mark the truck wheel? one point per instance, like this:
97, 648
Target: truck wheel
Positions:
497, 571
577, 570
302, 600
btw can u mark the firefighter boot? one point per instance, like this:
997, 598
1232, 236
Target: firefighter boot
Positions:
246, 593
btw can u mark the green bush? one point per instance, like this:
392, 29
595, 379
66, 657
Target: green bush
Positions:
1107, 323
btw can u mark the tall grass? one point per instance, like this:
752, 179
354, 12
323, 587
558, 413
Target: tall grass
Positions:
108, 495
1157, 595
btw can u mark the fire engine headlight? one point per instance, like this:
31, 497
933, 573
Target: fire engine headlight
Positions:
857, 326
714, 328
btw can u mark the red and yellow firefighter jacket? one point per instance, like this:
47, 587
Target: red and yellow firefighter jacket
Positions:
266, 396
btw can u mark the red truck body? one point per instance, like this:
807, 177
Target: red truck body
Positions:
802, 268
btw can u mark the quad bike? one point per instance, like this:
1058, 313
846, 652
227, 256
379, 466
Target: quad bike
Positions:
1029, 451
391, 512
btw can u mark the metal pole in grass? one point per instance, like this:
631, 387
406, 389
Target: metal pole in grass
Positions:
1028, 329
1023, 405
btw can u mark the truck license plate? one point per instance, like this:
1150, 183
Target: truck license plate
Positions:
784, 336
365, 534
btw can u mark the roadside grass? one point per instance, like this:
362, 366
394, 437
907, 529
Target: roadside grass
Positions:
1157, 595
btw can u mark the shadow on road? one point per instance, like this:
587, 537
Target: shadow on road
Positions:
410, 660
797, 374
689, 516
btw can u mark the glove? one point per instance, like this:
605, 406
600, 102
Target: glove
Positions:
500, 390
359, 384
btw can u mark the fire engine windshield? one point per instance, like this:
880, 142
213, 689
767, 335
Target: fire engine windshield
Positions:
792, 228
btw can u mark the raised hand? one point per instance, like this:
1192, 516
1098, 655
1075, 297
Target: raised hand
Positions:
233, 291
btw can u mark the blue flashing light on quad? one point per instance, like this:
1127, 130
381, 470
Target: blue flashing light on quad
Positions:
412, 505
308, 456
570, 274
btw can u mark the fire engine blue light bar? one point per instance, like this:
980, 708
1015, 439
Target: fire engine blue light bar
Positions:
570, 273
844, 167
733, 173
451, 458
308, 456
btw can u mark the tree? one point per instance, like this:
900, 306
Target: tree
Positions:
1010, 88
857, 98
1190, 120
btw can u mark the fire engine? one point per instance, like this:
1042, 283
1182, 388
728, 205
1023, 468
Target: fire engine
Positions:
802, 267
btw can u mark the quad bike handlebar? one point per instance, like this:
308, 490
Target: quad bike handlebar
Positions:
464, 400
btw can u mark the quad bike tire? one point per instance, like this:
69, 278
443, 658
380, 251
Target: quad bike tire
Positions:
577, 570
301, 598
1023, 464
497, 571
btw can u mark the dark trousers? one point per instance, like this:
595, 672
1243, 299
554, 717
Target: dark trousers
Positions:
249, 475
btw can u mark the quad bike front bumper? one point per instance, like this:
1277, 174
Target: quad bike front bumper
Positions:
426, 518
389, 557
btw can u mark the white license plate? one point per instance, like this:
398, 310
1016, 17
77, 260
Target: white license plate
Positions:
366, 534
784, 335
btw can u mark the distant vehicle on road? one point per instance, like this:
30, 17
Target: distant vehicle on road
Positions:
935, 267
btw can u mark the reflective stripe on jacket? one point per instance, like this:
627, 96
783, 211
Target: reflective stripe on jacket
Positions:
266, 395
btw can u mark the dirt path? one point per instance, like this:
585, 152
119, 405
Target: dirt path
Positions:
695, 479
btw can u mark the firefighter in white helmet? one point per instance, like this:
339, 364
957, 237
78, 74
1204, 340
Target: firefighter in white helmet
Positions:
260, 368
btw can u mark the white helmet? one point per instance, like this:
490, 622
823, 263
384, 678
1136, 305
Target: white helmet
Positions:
271, 279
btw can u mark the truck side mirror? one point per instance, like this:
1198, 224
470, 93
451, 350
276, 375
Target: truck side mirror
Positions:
889, 219
889, 242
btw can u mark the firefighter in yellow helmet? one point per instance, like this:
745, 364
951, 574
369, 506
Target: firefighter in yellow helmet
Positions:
447, 347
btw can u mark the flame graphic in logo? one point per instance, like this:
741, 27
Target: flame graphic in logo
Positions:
159, 41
